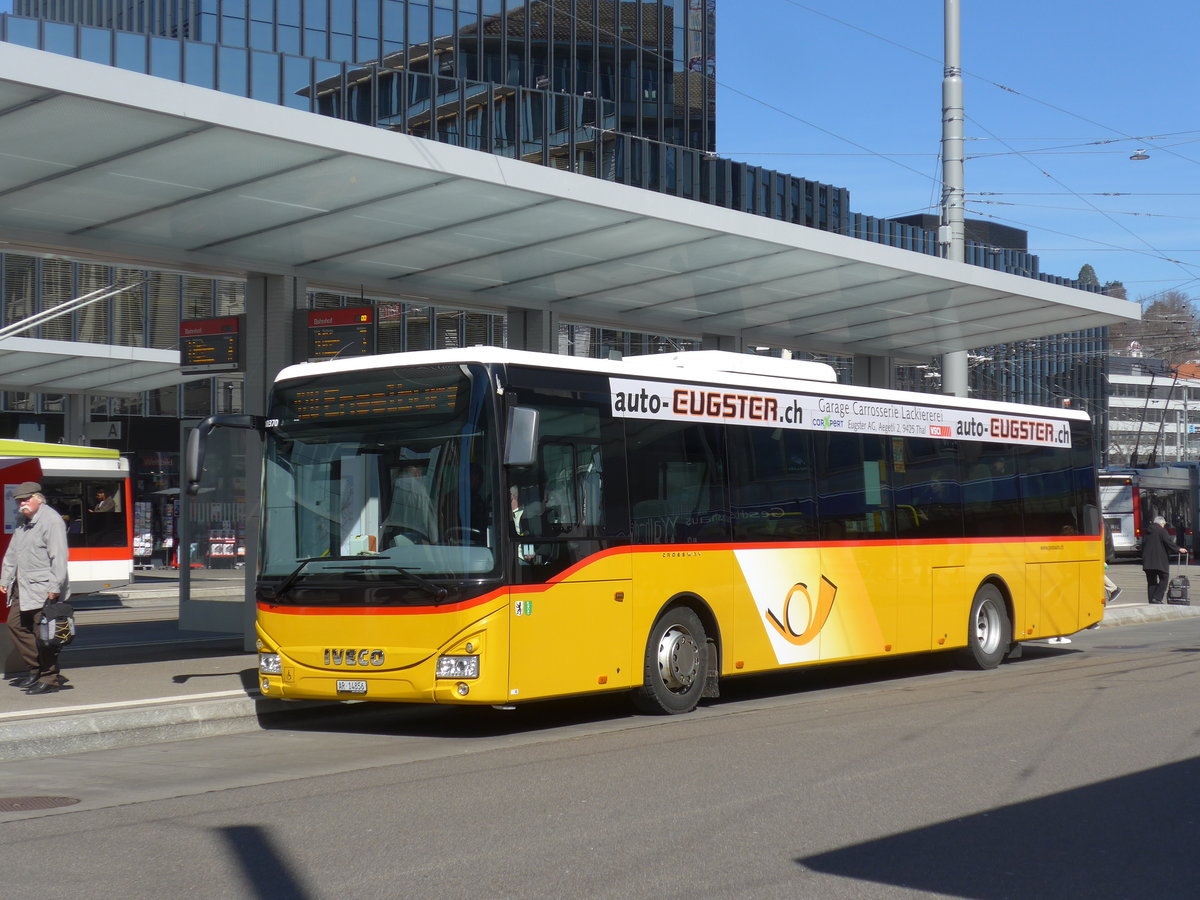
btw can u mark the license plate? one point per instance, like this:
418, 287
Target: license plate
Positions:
351, 687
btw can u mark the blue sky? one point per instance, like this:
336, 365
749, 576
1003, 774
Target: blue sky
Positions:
848, 92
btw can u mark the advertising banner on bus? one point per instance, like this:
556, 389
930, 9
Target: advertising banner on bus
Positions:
642, 399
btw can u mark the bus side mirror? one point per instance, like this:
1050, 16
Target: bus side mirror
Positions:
521, 438
194, 458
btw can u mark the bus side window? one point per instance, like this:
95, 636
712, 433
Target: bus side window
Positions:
991, 506
927, 489
67, 499
97, 515
771, 485
854, 489
1054, 494
677, 482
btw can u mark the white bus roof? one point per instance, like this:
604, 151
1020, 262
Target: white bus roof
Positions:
1161, 477
84, 467
714, 367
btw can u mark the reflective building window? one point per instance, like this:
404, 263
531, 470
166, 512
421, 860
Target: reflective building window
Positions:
95, 45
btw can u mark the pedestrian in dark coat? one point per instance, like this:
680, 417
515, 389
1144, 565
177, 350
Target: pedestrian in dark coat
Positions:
1156, 562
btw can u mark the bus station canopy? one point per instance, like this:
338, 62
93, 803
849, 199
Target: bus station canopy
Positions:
98, 162
75, 367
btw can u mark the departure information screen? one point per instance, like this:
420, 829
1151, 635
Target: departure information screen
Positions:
211, 345
366, 395
341, 333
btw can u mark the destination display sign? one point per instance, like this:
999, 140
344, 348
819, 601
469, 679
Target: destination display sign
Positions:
639, 399
211, 345
332, 402
341, 333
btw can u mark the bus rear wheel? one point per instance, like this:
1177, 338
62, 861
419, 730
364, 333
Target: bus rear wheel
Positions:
676, 664
989, 631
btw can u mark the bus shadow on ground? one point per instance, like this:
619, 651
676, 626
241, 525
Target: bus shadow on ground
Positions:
850, 674
426, 720
1127, 837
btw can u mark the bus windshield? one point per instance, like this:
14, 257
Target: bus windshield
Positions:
381, 475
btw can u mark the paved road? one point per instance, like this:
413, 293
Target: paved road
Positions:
1064, 774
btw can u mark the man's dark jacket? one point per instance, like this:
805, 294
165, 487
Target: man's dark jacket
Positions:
1155, 547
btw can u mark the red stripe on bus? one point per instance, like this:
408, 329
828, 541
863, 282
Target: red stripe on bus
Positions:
98, 554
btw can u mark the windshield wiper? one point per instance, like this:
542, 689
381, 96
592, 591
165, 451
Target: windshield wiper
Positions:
293, 576
439, 593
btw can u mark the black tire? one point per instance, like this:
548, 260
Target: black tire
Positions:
989, 631
676, 664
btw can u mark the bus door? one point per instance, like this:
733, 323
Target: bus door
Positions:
931, 577
781, 595
861, 597
679, 508
571, 600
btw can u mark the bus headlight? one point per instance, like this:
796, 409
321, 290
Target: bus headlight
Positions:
458, 667
270, 664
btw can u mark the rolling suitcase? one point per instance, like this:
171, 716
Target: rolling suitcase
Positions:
1177, 590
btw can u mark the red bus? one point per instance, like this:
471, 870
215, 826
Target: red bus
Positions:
1132, 498
99, 529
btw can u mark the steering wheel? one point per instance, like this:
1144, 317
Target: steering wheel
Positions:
464, 535
417, 537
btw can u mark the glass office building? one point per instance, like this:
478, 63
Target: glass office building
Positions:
409, 63
616, 89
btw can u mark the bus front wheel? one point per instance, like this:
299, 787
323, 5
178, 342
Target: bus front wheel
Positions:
989, 631
676, 664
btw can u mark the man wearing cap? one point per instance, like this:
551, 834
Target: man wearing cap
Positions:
34, 571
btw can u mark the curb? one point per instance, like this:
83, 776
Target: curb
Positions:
1138, 614
127, 725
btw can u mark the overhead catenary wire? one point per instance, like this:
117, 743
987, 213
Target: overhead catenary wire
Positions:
1063, 185
1111, 212
1081, 194
1058, 146
1153, 253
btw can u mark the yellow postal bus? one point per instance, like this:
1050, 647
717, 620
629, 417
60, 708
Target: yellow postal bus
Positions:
486, 526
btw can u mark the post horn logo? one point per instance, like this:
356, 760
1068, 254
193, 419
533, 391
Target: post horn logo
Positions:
800, 624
